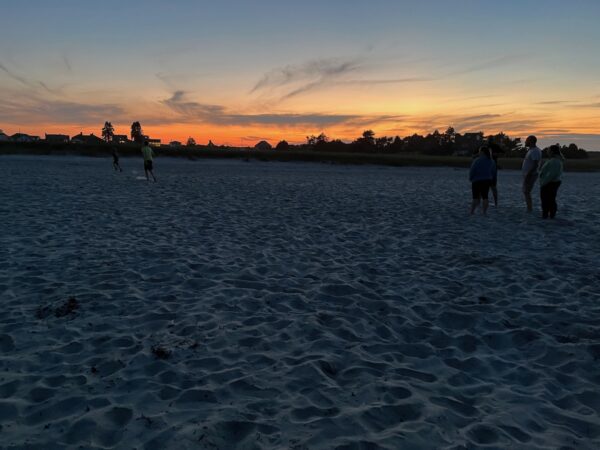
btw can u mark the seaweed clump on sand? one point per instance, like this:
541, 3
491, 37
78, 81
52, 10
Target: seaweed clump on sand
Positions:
160, 352
64, 309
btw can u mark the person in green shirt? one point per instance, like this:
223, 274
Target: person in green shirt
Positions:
550, 179
148, 154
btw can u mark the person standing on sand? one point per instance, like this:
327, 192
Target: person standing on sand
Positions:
531, 163
115, 156
148, 154
483, 171
550, 180
495, 150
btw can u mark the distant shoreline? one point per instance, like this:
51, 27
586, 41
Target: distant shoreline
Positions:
591, 164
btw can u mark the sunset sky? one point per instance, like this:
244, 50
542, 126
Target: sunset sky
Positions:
239, 71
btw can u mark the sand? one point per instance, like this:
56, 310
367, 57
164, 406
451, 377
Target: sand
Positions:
256, 305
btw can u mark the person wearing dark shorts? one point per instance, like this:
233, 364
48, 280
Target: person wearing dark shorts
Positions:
483, 171
148, 154
550, 180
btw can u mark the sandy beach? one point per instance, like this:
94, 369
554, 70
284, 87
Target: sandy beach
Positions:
254, 305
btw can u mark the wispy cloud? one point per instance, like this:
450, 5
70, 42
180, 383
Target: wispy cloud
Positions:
67, 63
35, 109
33, 85
551, 132
21, 79
320, 84
294, 80
554, 102
587, 105
191, 111
505, 60
308, 73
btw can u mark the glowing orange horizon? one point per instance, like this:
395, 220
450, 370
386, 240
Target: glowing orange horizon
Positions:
248, 135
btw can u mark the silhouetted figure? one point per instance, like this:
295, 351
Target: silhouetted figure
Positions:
115, 156
148, 155
550, 180
483, 171
495, 151
531, 164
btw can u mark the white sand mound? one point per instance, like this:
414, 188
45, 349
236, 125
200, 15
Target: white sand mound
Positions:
272, 305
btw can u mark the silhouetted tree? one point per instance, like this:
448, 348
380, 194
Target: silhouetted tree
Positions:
571, 151
137, 135
317, 143
397, 145
108, 131
449, 136
507, 146
368, 136
282, 145
191, 142
383, 143
414, 143
365, 143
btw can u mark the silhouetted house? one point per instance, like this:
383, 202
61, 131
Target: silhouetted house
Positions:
120, 139
87, 140
22, 137
263, 145
154, 142
57, 138
175, 144
3, 137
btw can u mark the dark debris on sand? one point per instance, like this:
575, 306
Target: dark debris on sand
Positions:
64, 309
160, 352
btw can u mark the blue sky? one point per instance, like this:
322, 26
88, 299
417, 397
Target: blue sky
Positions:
234, 69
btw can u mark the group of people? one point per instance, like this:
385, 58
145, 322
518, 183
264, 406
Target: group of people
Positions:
148, 155
484, 176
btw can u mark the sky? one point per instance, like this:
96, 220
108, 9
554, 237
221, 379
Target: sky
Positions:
236, 72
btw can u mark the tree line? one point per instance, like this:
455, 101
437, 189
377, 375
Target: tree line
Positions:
437, 144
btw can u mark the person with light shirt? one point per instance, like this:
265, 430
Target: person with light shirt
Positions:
550, 180
148, 155
531, 164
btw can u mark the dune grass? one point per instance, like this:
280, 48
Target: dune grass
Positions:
592, 164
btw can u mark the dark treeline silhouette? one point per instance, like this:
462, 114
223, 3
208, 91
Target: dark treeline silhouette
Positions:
108, 131
435, 149
137, 135
449, 143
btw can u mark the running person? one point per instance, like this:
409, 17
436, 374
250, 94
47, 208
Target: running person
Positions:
483, 171
148, 155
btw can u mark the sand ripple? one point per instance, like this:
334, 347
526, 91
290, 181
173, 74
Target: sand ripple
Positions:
270, 305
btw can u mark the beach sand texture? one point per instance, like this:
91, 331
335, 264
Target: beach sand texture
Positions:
255, 305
